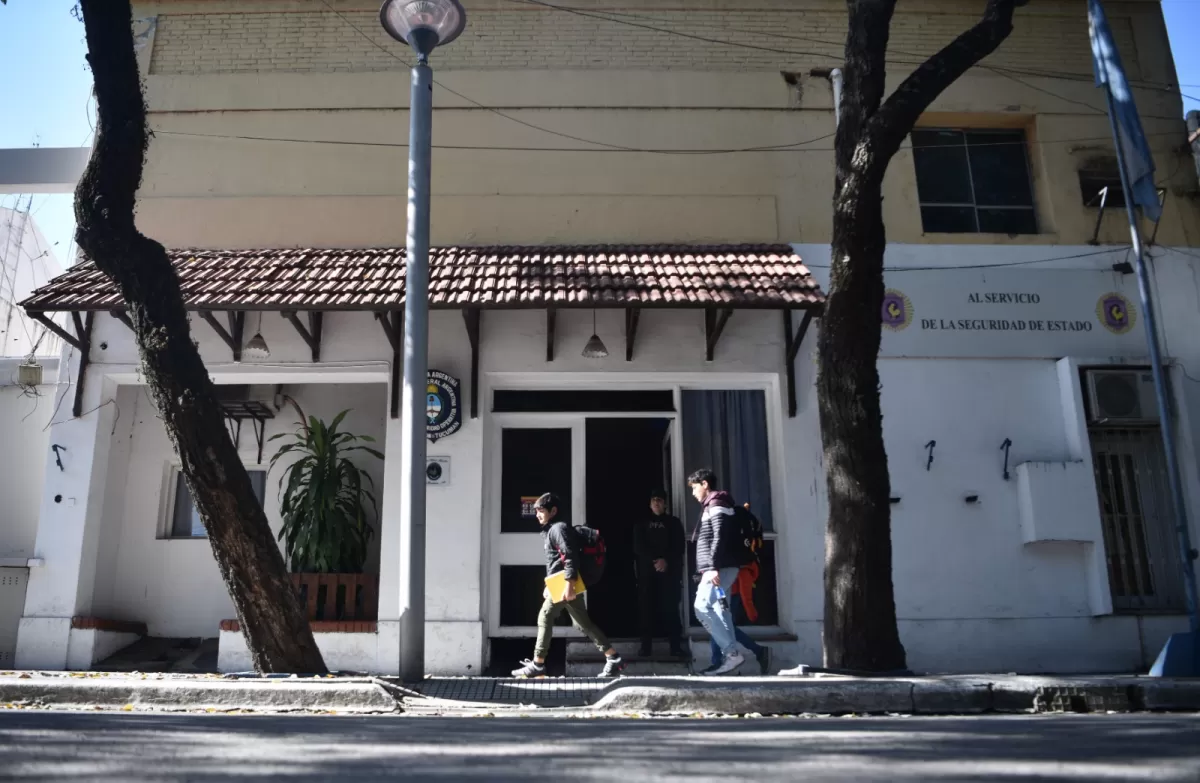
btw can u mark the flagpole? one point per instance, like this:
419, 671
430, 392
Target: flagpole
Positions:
1160, 381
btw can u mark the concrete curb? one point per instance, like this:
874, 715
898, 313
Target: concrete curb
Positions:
909, 696
355, 696
958, 695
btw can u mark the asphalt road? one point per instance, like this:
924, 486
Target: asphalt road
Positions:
37, 745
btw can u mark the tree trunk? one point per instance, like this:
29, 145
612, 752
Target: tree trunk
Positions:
860, 630
277, 633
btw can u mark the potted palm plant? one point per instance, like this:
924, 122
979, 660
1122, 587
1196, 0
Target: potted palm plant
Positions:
324, 497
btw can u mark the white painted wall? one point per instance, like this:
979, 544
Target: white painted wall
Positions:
970, 593
24, 416
173, 585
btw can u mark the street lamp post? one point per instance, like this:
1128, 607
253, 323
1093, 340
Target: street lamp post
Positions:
424, 25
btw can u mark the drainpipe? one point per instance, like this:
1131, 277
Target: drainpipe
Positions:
834, 75
1193, 126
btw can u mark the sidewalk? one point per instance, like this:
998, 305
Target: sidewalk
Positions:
816, 695
193, 692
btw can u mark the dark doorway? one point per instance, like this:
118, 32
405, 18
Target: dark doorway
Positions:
624, 465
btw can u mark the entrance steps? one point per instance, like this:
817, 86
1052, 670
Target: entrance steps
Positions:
584, 660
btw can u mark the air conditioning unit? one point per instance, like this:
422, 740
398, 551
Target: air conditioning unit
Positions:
1121, 396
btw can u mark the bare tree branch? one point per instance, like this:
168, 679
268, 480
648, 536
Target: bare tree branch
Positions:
896, 118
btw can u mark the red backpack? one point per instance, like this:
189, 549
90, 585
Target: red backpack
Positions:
590, 545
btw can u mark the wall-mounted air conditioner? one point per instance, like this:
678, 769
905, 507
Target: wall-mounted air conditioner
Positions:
1121, 396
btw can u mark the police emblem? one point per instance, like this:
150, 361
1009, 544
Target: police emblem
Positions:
1116, 313
443, 406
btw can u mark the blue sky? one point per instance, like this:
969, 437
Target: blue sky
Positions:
45, 99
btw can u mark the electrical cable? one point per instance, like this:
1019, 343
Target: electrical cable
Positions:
1000, 70
799, 146
345, 20
63, 396
997, 265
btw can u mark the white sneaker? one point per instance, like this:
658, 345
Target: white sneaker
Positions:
731, 662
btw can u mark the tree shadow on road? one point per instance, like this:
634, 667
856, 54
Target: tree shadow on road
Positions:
80, 746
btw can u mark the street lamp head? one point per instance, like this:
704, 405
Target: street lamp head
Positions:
423, 24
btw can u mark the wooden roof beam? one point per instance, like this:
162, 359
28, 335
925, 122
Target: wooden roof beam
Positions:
714, 325
791, 348
232, 336
311, 335
633, 315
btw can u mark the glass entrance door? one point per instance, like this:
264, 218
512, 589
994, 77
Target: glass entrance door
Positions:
531, 455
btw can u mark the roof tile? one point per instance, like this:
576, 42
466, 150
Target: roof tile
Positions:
769, 276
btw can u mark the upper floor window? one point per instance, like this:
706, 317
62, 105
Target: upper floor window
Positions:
974, 181
185, 519
1100, 181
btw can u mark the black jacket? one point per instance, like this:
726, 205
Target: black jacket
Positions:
658, 537
562, 552
719, 536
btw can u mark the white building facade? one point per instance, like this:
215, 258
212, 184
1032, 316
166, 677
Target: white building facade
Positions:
1031, 530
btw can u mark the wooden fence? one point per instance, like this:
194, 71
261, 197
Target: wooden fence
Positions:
338, 597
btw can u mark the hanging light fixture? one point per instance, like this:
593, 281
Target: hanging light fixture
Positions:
595, 346
257, 347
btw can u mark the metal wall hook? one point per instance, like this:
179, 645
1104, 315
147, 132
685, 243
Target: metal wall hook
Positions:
1005, 446
57, 458
930, 446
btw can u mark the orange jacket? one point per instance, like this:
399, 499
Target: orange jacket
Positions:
744, 586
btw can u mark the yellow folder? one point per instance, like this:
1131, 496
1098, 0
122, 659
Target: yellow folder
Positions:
557, 583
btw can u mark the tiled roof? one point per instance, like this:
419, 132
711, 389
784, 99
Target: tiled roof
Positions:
741, 276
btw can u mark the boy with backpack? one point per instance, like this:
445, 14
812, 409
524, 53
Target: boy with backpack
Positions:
564, 547
752, 536
720, 554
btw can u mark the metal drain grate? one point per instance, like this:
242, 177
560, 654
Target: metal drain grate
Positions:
548, 692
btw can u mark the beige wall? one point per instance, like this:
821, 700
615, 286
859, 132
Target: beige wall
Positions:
290, 69
265, 36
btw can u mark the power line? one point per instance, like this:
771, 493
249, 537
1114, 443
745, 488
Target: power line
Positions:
998, 265
612, 16
1044, 73
345, 20
1000, 70
1184, 251
799, 146
495, 111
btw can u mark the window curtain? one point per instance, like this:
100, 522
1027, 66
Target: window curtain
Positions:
726, 431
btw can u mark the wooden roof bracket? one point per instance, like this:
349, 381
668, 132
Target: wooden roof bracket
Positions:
633, 315
80, 341
83, 328
311, 335
75, 341
392, 323
123, 317
714, 325
231, 337
791, 348
471, 317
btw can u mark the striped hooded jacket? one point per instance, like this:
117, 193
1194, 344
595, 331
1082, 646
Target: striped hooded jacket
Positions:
719, 536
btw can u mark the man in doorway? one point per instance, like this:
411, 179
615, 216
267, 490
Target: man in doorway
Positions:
562, 554
720, 554
658, 551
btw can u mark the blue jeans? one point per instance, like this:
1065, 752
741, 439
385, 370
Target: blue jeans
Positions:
754, 647
714, 614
